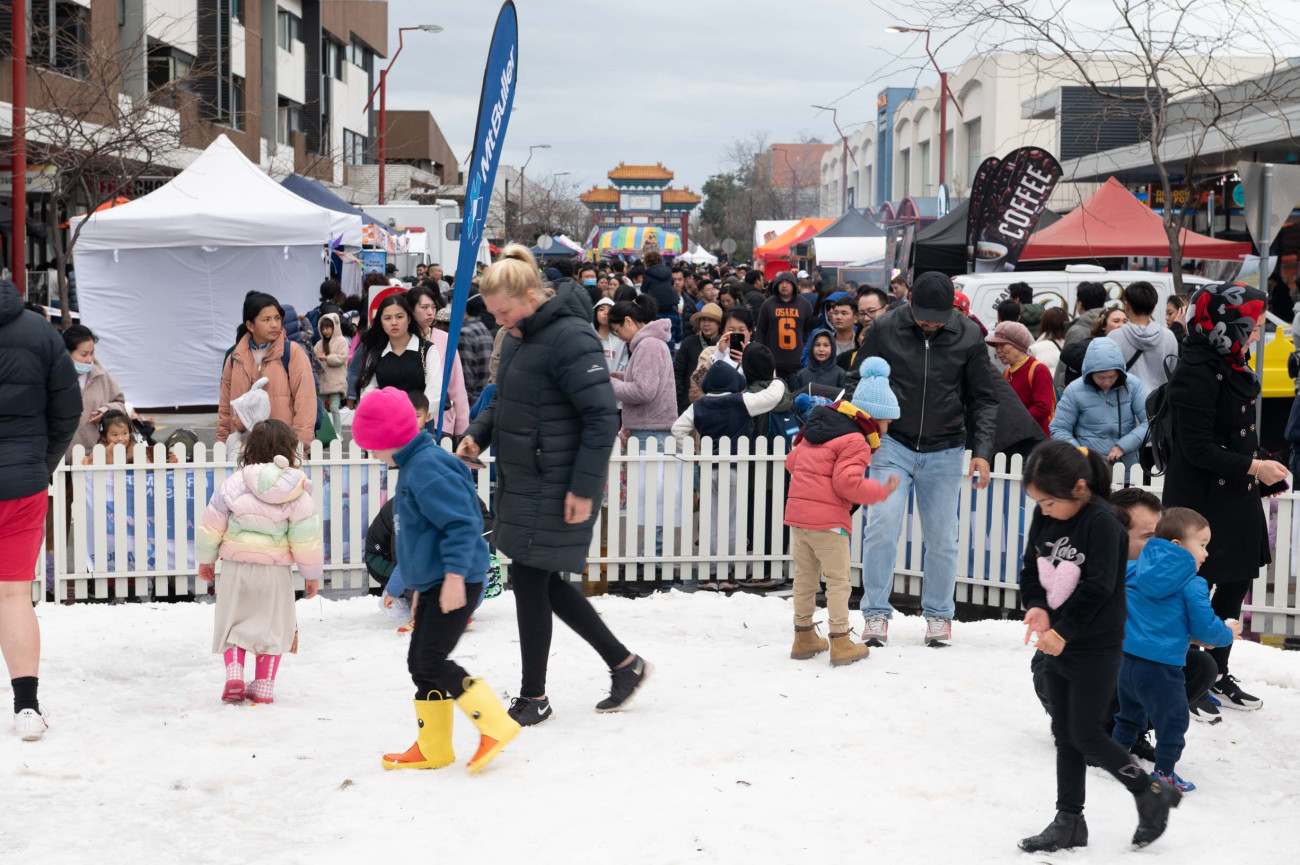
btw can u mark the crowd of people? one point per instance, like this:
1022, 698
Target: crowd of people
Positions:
878, 393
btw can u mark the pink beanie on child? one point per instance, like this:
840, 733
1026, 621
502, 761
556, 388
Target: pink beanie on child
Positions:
384, 419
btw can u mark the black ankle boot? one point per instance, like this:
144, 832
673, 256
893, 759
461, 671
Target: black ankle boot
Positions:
1065, 831
1153, 805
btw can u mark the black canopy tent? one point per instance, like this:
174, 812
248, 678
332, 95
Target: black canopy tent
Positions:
941, 245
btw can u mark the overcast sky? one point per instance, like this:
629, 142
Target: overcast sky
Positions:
670, 81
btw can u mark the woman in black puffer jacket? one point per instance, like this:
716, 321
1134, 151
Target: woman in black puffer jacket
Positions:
551, 424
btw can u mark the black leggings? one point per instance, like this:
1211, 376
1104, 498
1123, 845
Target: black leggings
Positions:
1226, 603
538, 593
435, 636
1080, 685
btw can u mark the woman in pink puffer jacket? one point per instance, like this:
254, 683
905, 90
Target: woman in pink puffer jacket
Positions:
261, 522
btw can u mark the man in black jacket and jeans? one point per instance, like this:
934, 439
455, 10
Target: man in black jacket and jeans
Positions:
940, 371
40, 407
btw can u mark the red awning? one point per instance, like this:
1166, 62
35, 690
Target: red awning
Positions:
779, 246
1114, 223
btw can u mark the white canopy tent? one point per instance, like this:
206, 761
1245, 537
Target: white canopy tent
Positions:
846, 251
700, 255
161, 280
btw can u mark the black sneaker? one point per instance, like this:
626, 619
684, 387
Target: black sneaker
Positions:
1143, 749
625, 682
1230, 694
1154, 804
530, 711
1205, 711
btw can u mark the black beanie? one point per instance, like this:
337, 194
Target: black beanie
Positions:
757, 363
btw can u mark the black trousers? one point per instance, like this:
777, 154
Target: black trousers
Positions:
1199, 672
1081, 685
538, 593
435, 636
1226, 602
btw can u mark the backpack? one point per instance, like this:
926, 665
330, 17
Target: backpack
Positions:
184, 437
783, 425
1158, 445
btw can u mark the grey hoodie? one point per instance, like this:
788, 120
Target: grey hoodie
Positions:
1156, 342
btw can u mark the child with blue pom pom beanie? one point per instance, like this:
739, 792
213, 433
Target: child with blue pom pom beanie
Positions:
827, 469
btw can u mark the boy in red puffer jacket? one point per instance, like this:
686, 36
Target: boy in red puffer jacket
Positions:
827, 469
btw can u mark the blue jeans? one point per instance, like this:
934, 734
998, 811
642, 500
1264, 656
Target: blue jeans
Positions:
936, 479
1155, 692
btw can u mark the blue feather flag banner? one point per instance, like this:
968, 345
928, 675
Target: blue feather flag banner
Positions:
494, 108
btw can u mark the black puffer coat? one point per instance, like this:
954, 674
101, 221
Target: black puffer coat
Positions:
1215, 442
551, 423
40, 401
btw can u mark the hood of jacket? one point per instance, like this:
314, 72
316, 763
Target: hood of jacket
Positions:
1144, 336
809, 361
292, 327
722, 378
275, 482
11, 305
1162, 571
1103, 354
827, 422
570, 300
658, 283
331, 317
660, 329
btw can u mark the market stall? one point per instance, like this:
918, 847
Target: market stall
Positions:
161, 280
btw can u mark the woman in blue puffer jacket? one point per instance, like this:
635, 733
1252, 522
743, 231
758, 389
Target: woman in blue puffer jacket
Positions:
1106, 409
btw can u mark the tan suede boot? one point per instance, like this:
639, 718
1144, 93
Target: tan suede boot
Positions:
845, 651
806, 643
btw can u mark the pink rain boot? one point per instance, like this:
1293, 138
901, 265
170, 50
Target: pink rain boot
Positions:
234, 690
262, 689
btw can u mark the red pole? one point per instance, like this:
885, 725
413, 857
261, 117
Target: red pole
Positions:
383, 126
18, 166
943, 124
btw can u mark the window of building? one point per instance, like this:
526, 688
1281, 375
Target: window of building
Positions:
905, 169
62, 44
354, 148
289, 29
974, 149
866, 196
924, 154
236, 102
332, 58
168, 66
289, 121
361, 56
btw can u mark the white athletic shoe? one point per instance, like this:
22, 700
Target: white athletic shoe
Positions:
30, 725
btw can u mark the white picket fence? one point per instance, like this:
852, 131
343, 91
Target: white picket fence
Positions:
96, 552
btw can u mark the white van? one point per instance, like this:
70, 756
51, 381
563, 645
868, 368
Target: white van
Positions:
1058, 287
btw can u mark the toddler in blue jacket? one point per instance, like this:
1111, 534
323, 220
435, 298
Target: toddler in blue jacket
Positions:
438, 531
1168, 608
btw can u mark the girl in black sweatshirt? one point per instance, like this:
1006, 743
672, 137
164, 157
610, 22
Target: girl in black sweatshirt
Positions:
1072, 587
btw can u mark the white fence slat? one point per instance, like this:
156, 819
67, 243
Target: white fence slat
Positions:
777, 544
760, 569
722, 508
689, 569
708, 548
739, 529
202, 495
633, 502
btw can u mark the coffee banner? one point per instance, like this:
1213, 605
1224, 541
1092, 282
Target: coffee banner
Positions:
974, 216
1015, 196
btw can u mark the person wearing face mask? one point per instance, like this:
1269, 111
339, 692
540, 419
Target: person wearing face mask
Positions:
1106, 409
260, 351
588, 279
940, 370
99, 392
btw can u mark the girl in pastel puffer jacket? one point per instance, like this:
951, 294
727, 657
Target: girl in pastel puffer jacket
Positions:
261, 522
1105, 410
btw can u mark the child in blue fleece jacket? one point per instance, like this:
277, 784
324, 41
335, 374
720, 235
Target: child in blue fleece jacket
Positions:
439, 539
1168, 608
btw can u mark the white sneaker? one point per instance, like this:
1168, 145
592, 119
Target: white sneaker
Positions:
30, 724
400, 611
875, 631
938, 632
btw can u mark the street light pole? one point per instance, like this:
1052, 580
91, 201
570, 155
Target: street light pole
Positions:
548, 193
521, 176
382, 89
18, 153
944, 95
844, 158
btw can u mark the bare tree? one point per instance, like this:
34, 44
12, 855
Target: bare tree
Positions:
551, 206
94, 139
1184, 74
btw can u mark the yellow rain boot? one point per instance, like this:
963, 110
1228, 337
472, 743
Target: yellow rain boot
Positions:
496, 728
432, 748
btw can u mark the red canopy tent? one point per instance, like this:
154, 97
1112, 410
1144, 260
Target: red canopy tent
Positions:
779, 246
1113, 223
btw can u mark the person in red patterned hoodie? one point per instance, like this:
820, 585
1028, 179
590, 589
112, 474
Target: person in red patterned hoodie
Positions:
827, 466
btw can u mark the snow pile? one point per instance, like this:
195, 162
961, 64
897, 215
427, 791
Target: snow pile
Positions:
732, 753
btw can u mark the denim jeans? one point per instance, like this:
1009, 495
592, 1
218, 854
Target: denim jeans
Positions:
936, 479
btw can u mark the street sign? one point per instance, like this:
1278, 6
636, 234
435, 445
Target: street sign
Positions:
545, 242
729, 246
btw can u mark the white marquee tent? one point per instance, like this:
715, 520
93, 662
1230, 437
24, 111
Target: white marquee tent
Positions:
161, 280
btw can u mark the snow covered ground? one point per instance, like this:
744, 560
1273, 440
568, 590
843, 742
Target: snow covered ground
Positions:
732, 753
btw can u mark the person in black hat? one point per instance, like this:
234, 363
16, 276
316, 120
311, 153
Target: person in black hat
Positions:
940, 370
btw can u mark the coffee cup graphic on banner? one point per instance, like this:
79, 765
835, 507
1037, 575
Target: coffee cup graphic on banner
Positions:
1015, 194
